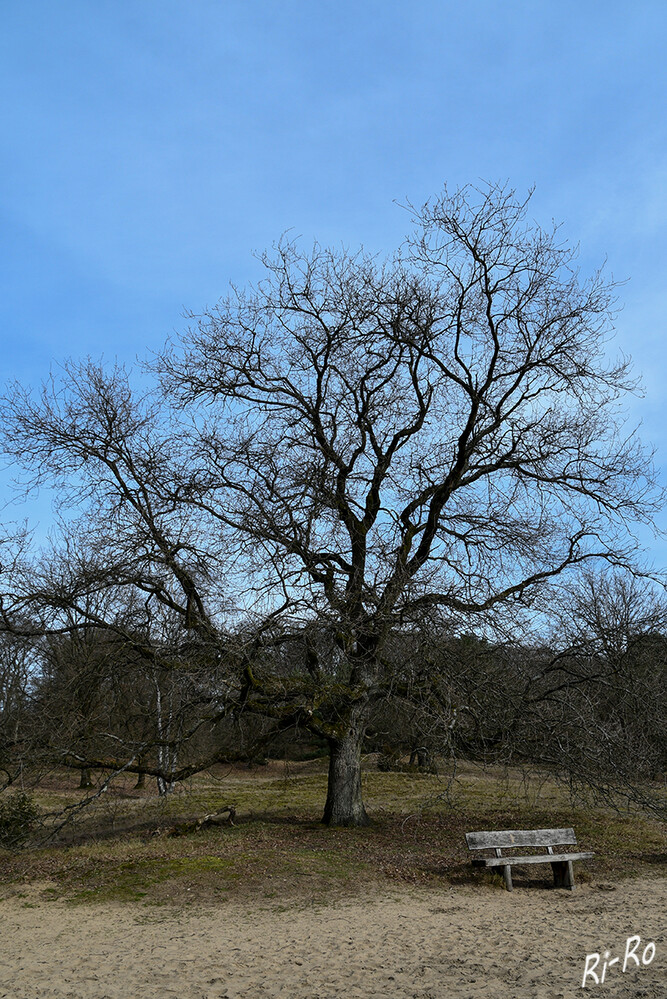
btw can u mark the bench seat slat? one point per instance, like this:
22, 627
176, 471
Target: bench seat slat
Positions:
520, 837
534, 859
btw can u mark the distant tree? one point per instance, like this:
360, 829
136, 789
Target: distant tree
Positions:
585, 698
607, 689
16, 665
345, 448
73, 693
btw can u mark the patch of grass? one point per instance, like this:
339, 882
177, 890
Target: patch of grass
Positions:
279, 850
156, 879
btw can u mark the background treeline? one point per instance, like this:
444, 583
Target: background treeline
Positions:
587, 701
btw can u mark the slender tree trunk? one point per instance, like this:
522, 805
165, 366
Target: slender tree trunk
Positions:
166, 756
344, 805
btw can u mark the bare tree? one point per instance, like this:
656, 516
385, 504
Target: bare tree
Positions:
16, 665
124, 583
338, 452
599, 705
441, 430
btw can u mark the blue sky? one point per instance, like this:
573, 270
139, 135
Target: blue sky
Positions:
150, 146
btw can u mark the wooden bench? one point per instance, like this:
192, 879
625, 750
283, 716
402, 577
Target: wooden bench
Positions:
561, 863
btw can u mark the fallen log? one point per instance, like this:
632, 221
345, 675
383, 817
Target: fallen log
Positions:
225, 816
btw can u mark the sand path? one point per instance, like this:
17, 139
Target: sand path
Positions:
410, 944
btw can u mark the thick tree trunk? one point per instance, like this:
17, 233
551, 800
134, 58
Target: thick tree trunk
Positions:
86, 779
164, 786
141, 779
421, 757
344, 805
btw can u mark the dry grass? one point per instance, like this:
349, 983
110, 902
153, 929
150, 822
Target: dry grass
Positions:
126, 846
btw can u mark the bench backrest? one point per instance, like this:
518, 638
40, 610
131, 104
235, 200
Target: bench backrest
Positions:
520, 837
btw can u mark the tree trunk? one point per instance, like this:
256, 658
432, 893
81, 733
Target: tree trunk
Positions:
165, 786
421, 757
141, 778
86, 779
344, 805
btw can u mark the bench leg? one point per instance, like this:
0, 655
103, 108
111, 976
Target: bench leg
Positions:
507, 874
563, 874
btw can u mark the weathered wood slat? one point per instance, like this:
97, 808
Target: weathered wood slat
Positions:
520, 837
550, 858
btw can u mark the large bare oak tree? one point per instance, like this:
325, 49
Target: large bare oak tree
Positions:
351, 445
439, 430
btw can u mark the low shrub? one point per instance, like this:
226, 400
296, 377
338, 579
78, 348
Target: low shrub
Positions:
18, 817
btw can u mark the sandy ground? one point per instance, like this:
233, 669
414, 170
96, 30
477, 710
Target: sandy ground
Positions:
410, 944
